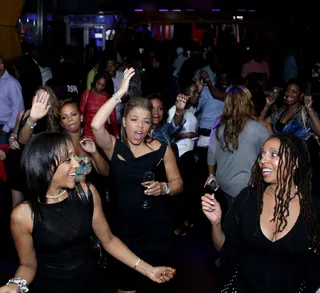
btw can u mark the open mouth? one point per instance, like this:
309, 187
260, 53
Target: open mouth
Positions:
73, 175
138, 135
266, 171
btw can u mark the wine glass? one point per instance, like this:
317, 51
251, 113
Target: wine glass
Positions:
148, 179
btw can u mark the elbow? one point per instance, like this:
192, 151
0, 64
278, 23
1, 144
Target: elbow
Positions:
180, 186
94, 125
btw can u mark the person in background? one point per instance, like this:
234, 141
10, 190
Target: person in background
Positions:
235, 143
91, 101
179, 61
110, 65
94, 70
86, 152
41, 117
257, 64
11, 102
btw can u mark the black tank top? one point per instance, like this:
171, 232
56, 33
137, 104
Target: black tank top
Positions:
61, 236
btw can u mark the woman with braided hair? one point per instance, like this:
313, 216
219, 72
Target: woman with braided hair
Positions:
270, 237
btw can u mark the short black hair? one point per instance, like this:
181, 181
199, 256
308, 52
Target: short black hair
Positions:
40, 159
2, 58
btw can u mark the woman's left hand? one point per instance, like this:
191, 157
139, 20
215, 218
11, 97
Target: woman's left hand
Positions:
161, 274
308, 102
88, 145
125, 82
181, 102
154, 189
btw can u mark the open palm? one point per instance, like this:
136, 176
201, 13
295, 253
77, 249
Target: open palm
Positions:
40, 106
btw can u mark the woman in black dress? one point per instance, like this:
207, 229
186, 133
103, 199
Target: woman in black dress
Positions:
270, 237
52, 232
140, 217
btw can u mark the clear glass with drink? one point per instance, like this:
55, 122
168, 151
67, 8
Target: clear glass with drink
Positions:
148, 179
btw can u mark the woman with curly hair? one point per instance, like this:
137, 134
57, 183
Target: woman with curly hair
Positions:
235, 143
270, 236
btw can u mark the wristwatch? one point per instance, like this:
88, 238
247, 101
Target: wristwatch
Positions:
32, 126
167, 190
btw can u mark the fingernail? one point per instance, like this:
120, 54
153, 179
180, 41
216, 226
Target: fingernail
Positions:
212, 203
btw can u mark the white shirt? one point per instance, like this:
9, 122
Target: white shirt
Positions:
191, 125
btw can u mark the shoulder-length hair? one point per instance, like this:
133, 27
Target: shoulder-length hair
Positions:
238, 109
40, 159
133, 103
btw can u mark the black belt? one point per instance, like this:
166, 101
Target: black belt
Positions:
204, 131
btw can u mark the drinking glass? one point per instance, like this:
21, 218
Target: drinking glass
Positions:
148, 179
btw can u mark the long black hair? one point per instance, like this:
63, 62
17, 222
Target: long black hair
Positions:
293, 165
41, 157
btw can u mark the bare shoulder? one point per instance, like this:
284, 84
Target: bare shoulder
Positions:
22, 215
154, 144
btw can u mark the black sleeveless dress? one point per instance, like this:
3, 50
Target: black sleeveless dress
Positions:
147, 232
61, 236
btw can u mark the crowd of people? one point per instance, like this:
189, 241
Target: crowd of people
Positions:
249, 158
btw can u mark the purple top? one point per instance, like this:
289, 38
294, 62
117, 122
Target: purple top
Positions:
11, 101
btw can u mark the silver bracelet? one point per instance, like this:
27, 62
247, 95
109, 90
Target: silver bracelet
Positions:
21, 283
118, 100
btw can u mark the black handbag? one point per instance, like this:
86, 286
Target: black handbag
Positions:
99, 253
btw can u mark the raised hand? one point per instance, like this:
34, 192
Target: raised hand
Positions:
211, 208
40, 106
127, 75
270, 100
88, 145
181, 102
308, 102
161, 274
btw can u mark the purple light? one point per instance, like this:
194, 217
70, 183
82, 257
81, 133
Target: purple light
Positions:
241, 10
138, 10
163, 10
216, 10
176, 10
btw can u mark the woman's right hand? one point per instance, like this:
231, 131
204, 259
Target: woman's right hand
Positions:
270, 100
125, 82
40, 107
11, 288
211, 208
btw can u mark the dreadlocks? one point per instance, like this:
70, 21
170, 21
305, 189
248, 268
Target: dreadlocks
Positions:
293, 165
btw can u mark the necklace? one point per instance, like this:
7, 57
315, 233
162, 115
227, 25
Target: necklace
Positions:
58, 195
271, 192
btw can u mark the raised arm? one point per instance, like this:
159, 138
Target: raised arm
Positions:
314, 119
39, 109
21, 229
119, 250
103, 138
